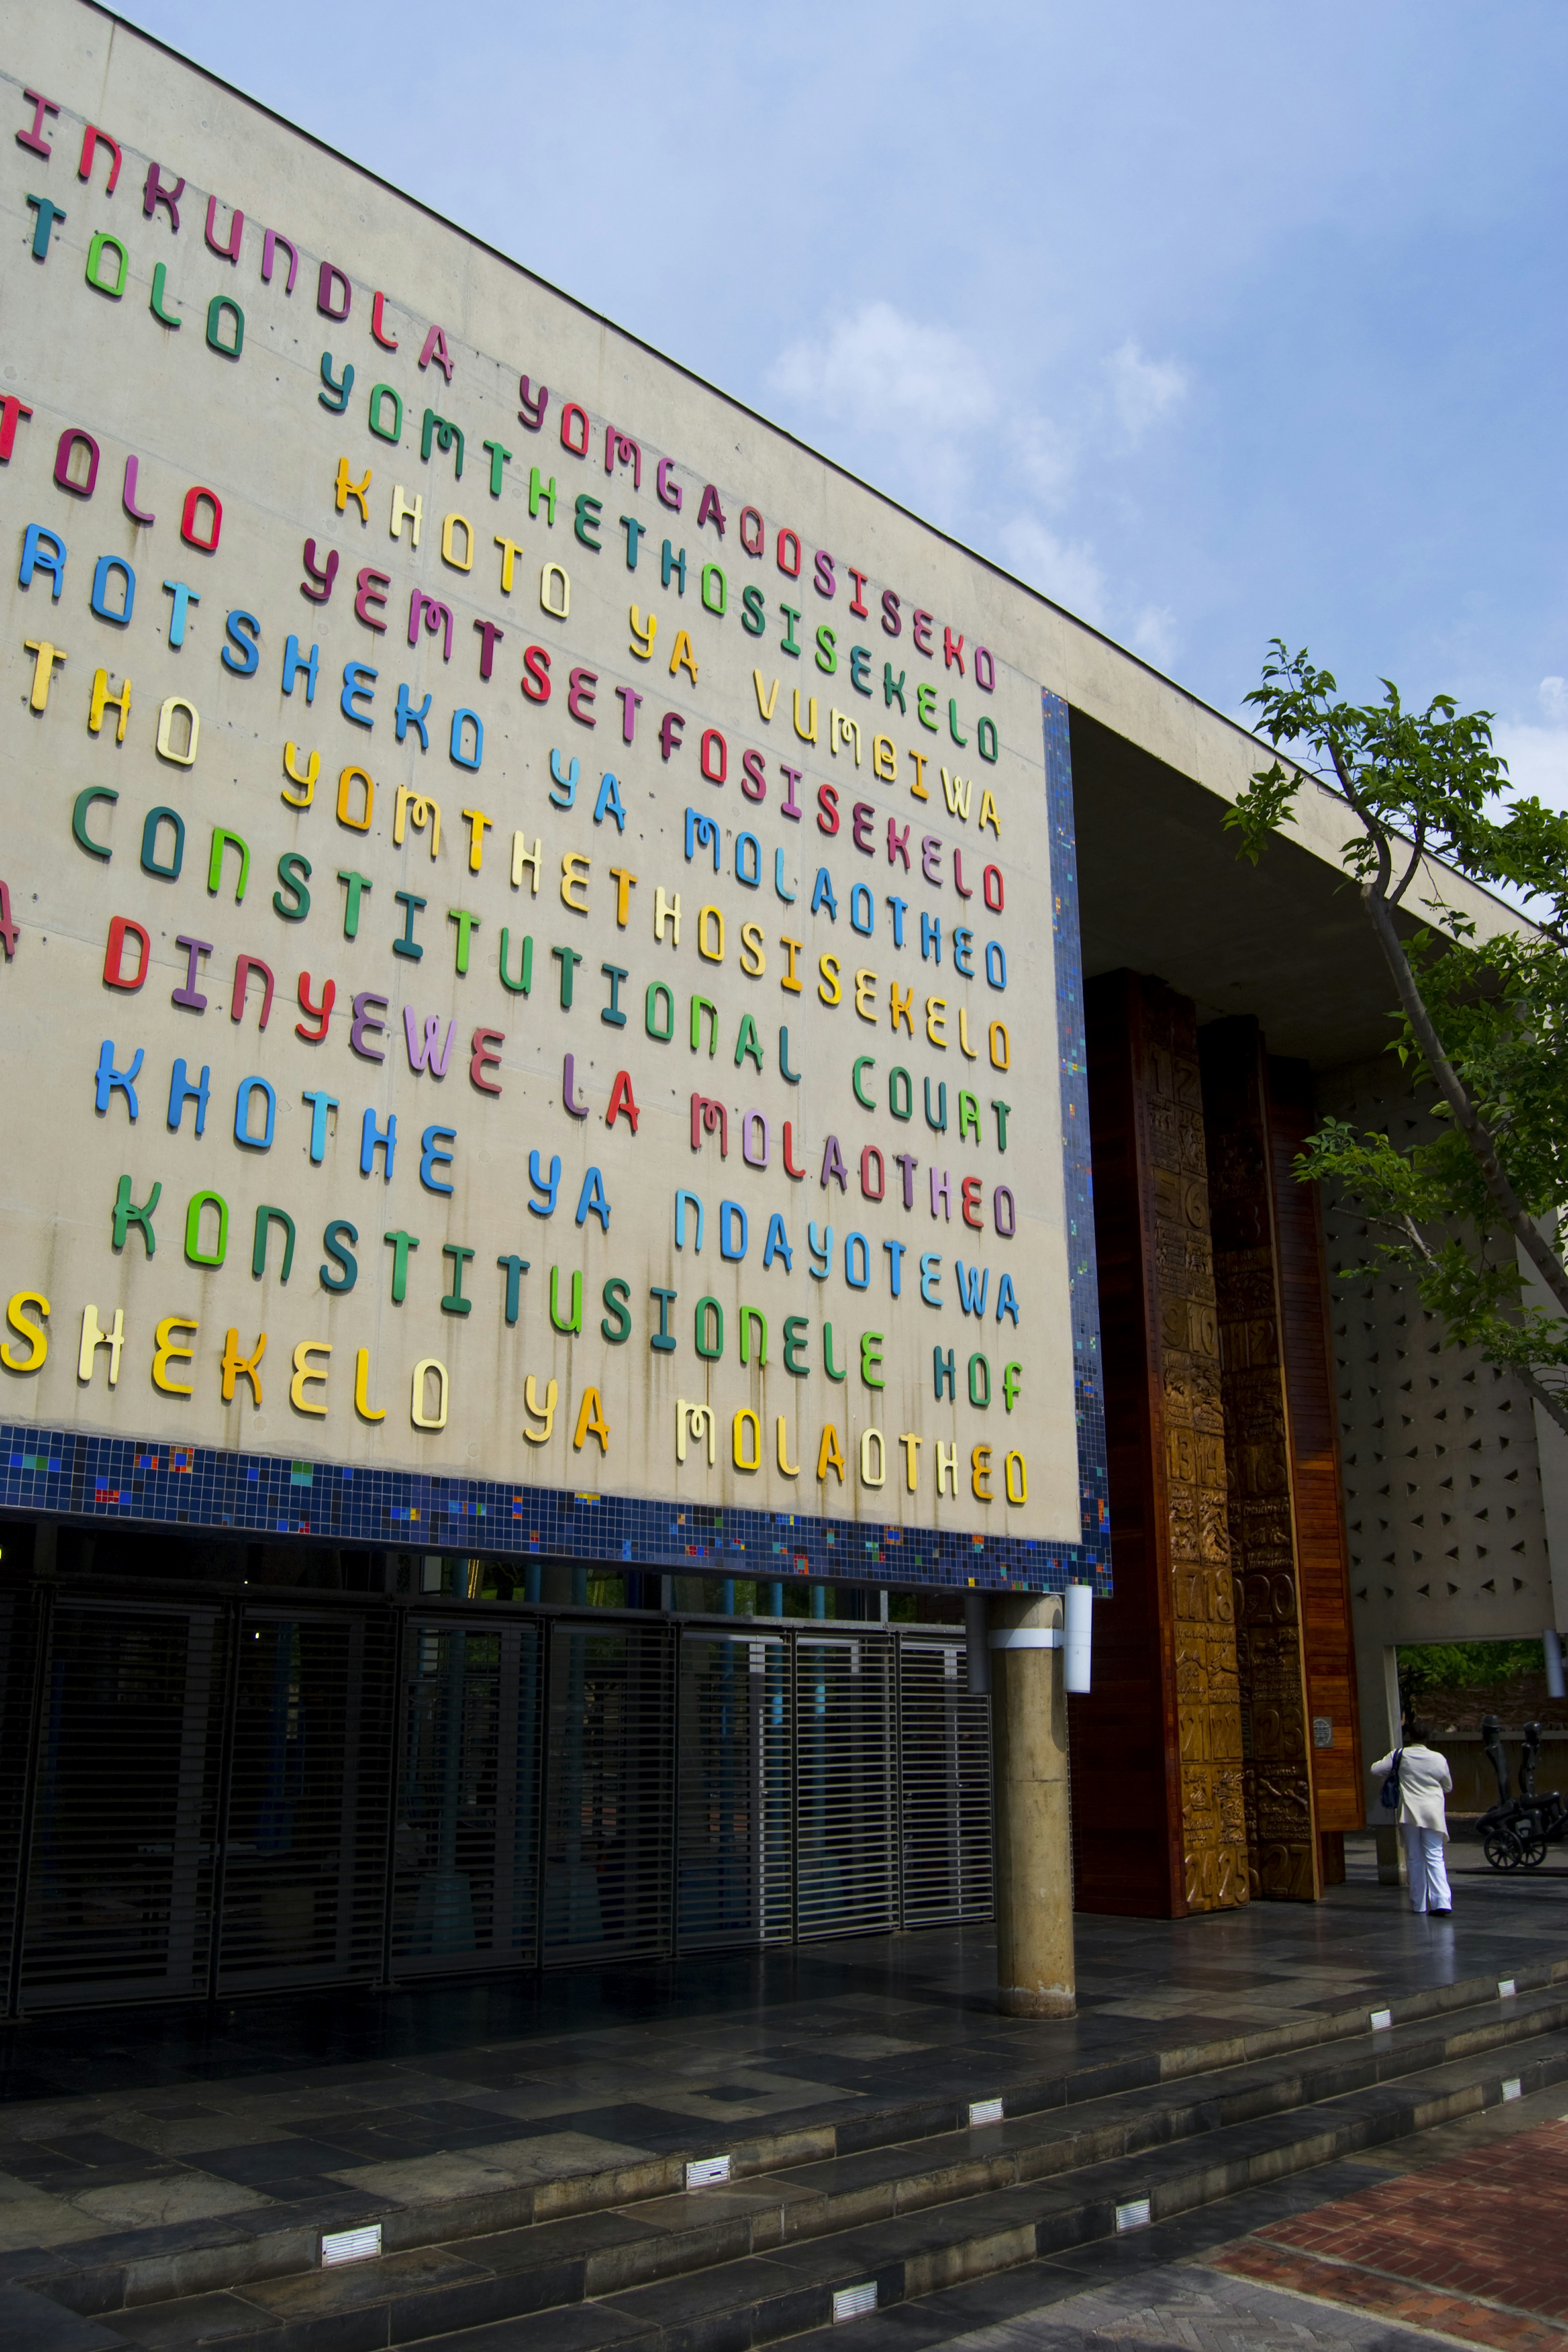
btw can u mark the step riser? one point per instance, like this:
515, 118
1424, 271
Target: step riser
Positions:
289, 2254
621, 2268
988, 2251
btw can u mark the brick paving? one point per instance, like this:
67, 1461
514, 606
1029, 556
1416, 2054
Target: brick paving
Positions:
1190, 2309
1475, 2247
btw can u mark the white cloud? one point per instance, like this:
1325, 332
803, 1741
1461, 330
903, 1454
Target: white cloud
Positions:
1048, 456
882, 371
1537, 759
1070, 576
1537, 754
1154, 636
1143, 389
915, 398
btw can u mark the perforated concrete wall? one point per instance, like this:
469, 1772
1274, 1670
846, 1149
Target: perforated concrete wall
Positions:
1449, 1533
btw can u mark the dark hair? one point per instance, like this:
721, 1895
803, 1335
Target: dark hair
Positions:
1416, 1732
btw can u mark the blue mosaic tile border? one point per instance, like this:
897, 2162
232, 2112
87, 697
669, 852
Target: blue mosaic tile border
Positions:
1093, 1558
206, 1490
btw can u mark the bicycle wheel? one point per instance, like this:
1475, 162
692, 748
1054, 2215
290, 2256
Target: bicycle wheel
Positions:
1502, 1849
1532, 1849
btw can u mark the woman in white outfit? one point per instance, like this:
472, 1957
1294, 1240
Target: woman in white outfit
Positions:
1424, 1776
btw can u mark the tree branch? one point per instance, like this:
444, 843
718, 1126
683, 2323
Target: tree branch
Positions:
1550, 1403
1413, 867
1451, 1087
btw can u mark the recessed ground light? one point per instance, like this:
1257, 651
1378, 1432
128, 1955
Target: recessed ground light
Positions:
1513, 2088
705, 2169
1381, 2020
351, 2245
985, 2111
854, 2302
1136, 2215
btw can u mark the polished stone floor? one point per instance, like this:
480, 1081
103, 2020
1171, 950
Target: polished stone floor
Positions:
326, 2104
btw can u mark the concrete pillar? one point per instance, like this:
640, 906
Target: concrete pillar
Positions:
1035, 1972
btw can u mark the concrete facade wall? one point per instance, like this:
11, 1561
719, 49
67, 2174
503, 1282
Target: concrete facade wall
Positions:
1447, 1517
131, 341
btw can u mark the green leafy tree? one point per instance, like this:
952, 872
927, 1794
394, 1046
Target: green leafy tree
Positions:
1483, 1021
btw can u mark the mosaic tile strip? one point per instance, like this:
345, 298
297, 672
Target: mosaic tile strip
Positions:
1089, 1384
133, 1481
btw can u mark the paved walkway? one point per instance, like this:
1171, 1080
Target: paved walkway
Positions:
319, 2107
1475, 2247
1193, 2310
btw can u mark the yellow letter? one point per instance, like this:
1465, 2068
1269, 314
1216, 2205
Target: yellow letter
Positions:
572, 880
828, 1457
479, 825
38, 1339
103, 700
591, 1422
43, 671
402, 508
791, 1469
694, 1418
643, 637
167, 1351
544, 1413
305, 1371
682, 657
416, 1413
347, 490
711, 954
419, 812
307, 782
839, 730
765, 708
363, 1404
237, 1367
187, 758
92, 1339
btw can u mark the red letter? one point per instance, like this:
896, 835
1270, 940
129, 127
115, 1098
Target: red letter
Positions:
486, 1046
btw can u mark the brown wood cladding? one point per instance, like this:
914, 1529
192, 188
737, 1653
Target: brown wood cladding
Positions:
1322, 1545
1283, 1844
1158, 1819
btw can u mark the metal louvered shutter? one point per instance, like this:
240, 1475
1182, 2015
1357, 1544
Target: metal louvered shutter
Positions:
845, 1881
945, 1787
22, 1625
608, 1790
464, 1833
121, 1858
305, 1854
733, 1806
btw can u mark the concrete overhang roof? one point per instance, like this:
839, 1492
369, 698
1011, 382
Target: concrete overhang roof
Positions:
1163, 891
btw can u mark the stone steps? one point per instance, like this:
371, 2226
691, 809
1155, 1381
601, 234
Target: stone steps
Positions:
761, 2257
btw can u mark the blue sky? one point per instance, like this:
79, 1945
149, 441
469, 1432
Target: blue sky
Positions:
1215, 323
